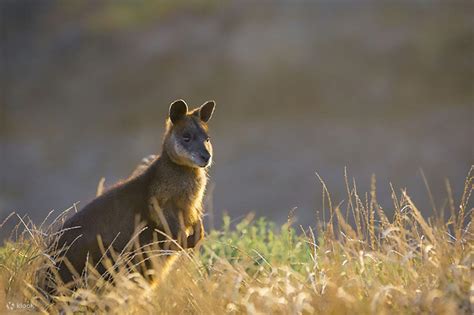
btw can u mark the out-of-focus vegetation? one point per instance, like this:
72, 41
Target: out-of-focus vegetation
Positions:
401, 264
113, 16
301, 86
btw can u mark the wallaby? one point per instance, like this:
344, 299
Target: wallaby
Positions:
164, 194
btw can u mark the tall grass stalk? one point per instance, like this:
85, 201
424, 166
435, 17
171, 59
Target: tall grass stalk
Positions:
357, 261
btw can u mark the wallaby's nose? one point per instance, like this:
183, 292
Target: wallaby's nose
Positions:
205, 156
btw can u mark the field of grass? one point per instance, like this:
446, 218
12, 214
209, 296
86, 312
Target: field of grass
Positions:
354, 260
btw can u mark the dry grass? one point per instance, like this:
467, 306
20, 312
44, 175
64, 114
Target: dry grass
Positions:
359, 262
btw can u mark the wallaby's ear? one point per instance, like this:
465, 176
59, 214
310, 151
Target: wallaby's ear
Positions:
206, 110
178, 110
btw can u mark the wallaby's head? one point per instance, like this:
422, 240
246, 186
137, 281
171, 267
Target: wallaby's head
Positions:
186, 140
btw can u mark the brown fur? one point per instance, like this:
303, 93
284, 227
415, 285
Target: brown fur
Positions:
177, 183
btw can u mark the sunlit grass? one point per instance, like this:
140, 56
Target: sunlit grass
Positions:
404, 264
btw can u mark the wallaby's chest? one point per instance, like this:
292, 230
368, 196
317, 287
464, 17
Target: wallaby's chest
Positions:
180, 192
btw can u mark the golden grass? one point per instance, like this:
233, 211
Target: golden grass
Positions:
378, 265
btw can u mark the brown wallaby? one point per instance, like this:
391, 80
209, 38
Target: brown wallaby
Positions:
174, 182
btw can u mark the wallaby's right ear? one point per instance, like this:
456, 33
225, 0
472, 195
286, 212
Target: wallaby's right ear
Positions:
178, 110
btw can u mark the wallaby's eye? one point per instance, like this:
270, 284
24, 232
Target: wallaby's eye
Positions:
208, 139
186, 137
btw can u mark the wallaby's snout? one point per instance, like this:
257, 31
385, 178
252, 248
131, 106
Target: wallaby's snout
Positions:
206, 158
187, 142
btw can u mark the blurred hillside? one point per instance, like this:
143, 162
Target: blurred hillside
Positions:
300, 87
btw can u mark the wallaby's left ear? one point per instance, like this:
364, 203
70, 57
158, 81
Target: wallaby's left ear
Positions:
178, 110
206, 110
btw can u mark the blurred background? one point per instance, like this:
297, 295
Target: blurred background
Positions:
381, 88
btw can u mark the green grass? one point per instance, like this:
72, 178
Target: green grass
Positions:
403, 264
